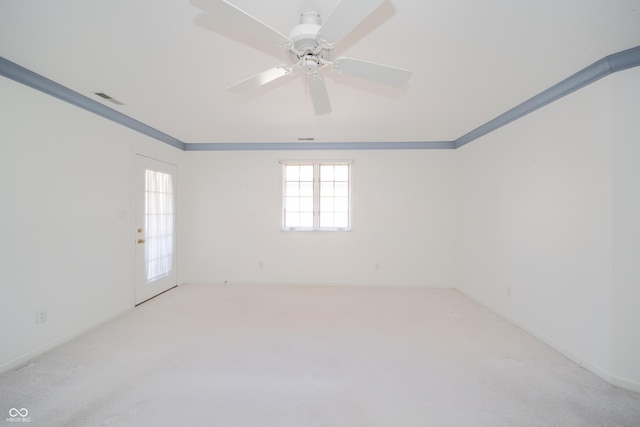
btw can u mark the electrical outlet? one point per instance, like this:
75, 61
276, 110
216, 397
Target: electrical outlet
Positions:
41, 316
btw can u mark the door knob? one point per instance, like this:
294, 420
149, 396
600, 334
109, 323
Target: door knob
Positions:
140, 240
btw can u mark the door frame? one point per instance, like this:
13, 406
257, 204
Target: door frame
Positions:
144, 291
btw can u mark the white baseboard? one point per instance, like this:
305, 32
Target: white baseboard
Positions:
24, 358
625, 383
597, 370
241, 282
602, 373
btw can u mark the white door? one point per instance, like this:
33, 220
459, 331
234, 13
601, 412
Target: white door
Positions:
155, 233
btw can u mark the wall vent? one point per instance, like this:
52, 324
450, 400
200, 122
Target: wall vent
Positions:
108, 98
306, 139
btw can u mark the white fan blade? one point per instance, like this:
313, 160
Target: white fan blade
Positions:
319, 94
344, 18
230, 14
376, 72
261, 79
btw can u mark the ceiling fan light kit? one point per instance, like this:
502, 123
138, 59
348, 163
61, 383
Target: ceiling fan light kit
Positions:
310, 45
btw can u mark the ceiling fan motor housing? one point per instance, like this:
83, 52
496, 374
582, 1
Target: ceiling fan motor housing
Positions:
304, 38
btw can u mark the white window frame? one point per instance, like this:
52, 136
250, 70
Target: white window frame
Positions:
316, 193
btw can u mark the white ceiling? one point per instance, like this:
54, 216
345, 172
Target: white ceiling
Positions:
471, 61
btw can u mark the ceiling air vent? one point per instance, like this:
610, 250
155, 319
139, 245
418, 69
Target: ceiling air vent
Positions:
108, 98
305, 139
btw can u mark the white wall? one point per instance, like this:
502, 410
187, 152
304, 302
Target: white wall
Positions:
547, 210
403, 223
626, 228
66, 225
535, 216
67, 220
537, 220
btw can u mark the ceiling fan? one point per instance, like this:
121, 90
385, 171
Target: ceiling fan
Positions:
310, 45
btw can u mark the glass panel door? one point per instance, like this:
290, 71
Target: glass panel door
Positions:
155, 232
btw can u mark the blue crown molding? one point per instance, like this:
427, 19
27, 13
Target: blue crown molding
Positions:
258, 146
611, 64
43, 84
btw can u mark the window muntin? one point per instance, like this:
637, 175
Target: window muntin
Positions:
317, 196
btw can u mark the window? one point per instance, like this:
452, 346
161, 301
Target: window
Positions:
158, 225
316, 196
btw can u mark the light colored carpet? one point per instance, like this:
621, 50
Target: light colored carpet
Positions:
260, 356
